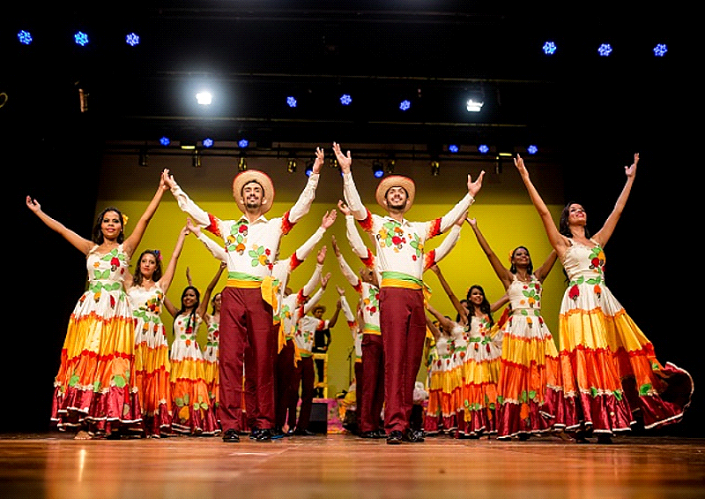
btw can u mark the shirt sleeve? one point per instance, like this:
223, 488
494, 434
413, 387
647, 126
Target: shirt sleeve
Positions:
352, 197
349, 274
310, 285
303, 204
216, 250
436, 255
200, 216
441, 225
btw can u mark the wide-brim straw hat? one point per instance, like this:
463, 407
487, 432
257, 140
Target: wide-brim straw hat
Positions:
243, 178
322, 307
396, 181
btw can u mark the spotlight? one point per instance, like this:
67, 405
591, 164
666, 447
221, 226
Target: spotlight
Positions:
291, 101
242, 164
660, 50
196, 159
435, 168
204, 98
474, 105
377, 168
405, 105
165, 141
345, 99
309, 168
291, 165
453, 148
243, 143
144, 158
81, 39
549, 48
132, 39
605, 50
207, 142
532, 149
483, 149
24, 37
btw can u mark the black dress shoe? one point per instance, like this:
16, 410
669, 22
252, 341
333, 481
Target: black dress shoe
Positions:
395, 437
414, 436
304, 433
264, 435
230, 436
277, 433
254, 433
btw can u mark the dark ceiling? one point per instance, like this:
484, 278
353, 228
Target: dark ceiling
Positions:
256, 53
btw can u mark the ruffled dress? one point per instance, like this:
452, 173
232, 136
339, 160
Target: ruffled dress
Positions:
191, 405
529, 391
210, 356
94, 387
152, 366
610, 375
440, 413
481, 377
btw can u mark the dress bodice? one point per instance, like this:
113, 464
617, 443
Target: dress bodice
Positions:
586, 262
525, 295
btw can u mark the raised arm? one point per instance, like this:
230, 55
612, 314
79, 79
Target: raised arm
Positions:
436, 255
444, 321
348, 272
216, 249
499, 303
604, 234
206, 298
303, 204
305, 249
315, 298
352, 197
542, 272
170, 270
444, 223
135, 237
315, 278
502, 272
82, 244
201, 217
554, 237
446, 287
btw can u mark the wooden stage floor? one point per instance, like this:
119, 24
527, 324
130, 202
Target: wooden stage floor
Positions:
340, 466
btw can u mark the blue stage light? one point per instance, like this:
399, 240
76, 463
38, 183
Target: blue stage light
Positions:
243, 143
605, 50
207, 142
165, 141
660, 50
532, 149
24, 37
291, 101
81, 38
132, 39
405, 105
483, 149
453, 148
549, 48
345, 99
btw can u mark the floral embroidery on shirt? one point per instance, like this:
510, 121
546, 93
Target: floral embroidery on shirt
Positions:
260, 256
237, 239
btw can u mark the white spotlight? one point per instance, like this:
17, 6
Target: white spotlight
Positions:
474, 106
204, 98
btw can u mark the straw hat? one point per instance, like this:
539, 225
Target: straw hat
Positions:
396, 181
322, 307
243, 178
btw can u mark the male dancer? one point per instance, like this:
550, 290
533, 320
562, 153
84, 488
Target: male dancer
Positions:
252, 243
400, 255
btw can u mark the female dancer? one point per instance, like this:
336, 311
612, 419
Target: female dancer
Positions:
146, 290
527, 391
193, 412
210, 353
477, 347
609, 368
94, 390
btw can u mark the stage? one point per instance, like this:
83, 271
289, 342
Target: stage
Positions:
55, 466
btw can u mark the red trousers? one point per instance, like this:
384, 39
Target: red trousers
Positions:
285, 397
246, 322
370, 383
403, 325
304, 376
